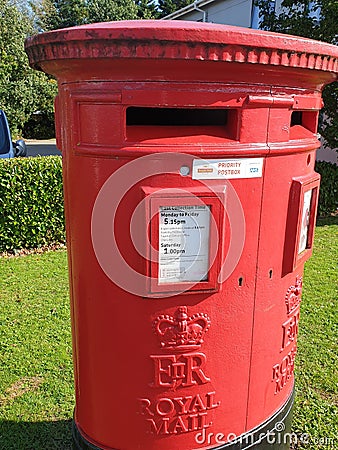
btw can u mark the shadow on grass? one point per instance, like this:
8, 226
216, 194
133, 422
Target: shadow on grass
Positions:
329, 220
35, 435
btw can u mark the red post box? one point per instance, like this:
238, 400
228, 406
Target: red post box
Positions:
190, 198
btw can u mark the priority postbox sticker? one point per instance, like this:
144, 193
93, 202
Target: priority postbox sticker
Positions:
215, 169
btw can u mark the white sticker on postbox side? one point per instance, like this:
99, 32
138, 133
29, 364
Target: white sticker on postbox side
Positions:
215, 169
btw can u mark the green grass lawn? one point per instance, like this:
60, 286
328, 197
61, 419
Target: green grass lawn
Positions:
316, 411
36, 385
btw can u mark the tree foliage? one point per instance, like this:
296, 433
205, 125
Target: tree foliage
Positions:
147, 9
317, 20
166, 7
55, 14
22, 90
107, 10
51, 15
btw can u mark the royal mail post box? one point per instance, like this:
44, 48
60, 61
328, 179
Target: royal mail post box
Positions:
190, 198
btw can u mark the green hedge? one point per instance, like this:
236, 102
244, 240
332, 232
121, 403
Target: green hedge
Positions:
31, 203
328, 193
31, 200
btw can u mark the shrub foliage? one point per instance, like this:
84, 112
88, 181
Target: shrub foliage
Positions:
328, 193
31, 202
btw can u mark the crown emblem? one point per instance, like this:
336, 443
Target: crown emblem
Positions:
293, 295
180, 331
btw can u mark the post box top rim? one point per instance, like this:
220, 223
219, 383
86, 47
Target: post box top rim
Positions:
159, 34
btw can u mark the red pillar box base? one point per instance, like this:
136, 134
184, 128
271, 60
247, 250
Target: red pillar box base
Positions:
274, 433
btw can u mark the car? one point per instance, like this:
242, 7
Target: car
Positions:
9, 149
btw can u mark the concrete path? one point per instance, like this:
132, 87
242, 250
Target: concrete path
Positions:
41, 147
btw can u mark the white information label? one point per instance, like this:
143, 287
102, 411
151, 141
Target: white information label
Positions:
184, 233
214, 169
304, 227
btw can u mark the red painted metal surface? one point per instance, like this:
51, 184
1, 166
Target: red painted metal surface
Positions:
189, 369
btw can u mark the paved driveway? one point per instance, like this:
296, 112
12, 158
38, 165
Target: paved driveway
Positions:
42, 148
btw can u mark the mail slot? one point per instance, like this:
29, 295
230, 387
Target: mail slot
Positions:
190, 197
